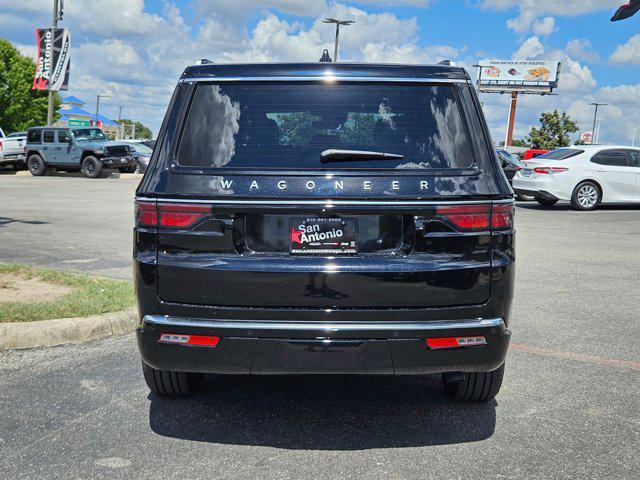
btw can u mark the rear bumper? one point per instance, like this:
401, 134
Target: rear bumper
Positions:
536, 193
289, 347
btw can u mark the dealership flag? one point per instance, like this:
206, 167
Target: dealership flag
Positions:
52, 70
627, 10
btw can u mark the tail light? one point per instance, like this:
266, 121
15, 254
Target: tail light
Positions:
477, 217
1, 145
170, 215
550, 170
518, 168
455, 342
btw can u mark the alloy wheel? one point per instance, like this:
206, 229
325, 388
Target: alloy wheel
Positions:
587, 196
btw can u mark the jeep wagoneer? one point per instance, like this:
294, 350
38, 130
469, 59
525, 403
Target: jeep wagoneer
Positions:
324, 219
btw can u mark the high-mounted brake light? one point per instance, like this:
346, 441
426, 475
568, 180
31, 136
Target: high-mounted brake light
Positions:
550, 170
183, 339
171, 215
455, 342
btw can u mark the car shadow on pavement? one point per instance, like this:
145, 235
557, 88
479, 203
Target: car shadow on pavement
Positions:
567, 206
322, 413
6, 221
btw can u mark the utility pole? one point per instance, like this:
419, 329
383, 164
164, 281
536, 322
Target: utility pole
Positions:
57, 15
98, 97
512, 119
120, 112
338, 23
595, 117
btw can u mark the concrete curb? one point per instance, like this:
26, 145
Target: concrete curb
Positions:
49, 333
26, 173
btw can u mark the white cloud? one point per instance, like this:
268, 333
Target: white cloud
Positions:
629, 53
530, 10
581, 49
531, 47
544, 27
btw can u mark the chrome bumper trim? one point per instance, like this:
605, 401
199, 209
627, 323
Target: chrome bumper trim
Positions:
327, 327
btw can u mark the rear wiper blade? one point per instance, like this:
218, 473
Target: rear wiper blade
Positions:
334, 155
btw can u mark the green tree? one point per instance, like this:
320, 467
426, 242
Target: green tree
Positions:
553, 132
20, 106
360, 130
523, 142
141, 131
296, 128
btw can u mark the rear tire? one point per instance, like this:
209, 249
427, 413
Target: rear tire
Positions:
547, 202
36, 166
476, 387
586, 196
168, 383
91, 167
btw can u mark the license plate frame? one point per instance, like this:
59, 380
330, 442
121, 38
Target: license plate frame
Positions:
323, 236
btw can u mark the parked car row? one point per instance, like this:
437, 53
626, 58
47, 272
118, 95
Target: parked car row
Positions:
12, 149
41, 149
586, 176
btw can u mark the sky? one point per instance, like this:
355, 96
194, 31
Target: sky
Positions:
135, 50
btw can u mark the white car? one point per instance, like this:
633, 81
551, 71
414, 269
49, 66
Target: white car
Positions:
585, 175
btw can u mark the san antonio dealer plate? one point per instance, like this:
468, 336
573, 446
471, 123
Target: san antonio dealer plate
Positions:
319, 236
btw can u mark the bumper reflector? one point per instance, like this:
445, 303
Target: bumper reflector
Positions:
180, 339
455, 342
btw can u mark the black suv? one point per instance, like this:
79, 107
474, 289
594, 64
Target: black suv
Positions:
314, 218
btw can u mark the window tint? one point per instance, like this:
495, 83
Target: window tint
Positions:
262, 126
611, 157
33, 136
49, 136
63, 136
561, 154
634, 156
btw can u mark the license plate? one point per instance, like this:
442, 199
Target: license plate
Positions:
324, 236
526, 172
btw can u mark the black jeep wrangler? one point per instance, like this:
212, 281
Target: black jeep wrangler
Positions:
314, 218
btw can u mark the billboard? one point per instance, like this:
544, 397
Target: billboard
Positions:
52, 69
527, 76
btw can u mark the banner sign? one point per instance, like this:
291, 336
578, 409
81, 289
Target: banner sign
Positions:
54, 58
521, 76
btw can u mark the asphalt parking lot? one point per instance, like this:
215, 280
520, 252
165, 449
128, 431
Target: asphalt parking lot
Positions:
568, 407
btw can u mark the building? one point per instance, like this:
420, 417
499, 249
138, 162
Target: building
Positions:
73, 114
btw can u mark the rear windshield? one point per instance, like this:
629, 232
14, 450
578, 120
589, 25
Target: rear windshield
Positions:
283, 126
561, 154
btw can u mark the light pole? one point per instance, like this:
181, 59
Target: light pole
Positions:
595, 117
98, 97
57, 15
338, 23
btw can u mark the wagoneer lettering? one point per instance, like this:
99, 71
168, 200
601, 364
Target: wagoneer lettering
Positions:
314, 219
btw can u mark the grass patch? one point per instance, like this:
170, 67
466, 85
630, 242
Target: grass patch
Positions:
88, 295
